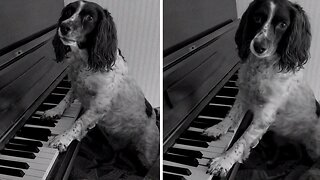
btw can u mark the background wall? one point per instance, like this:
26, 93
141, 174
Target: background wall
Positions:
138, 25
312, 70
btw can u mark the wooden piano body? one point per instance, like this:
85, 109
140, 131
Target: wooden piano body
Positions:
28, 76
199, 74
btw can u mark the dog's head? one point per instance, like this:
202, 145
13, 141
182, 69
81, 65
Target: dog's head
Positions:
275, 27
86, 25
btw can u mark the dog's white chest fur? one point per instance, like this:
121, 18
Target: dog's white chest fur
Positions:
260, 81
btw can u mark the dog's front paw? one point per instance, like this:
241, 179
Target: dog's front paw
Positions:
61, 142
220, 166
54, 113
215, 131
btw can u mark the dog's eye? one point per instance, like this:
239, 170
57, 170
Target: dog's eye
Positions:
257, 19
68, 13
88, 18
282, 25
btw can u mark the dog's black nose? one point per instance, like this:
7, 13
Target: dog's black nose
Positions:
64, 29
259, 47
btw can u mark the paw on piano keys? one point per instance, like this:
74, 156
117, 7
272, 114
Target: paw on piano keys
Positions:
27, 155
189, 157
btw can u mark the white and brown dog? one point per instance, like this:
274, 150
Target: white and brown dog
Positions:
87, 39
273, 40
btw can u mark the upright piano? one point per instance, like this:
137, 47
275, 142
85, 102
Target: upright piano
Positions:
31, 82
199, 84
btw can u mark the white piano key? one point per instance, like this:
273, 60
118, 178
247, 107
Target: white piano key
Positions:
222, 105
229, 97
197, 172
230, 87
210, 117
62, 124
25, 177
50, 165
60, 87
50, 104
40, 154
33, 165
209, 149
43, 161
38, 160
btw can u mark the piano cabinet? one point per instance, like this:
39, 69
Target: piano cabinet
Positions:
197, 73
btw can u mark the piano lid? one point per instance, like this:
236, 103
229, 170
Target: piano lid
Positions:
187, 21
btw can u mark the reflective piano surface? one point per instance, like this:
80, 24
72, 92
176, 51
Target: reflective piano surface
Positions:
199, 89
31, 82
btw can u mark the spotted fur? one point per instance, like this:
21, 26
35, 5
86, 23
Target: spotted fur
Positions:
99, 78
271, 82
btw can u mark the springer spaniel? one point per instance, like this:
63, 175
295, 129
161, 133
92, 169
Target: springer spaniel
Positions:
273, 41
86, 39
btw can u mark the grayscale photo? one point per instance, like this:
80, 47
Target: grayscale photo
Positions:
80, 90
241, 89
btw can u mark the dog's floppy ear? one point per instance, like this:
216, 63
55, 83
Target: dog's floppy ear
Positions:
241, 38
103, 51
295, 44
59, 48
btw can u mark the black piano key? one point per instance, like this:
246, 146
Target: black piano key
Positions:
215, 111
167, 176
185, 152
44, 107
197, 136
33, 136
18, 153
220, 100
228, 92
35, 130
19, 147
60, 91
210, 122
66, 84
231, 84
41, 122
26, 142
41, 134
181, 159
234, 77
177, 170
15, 164
53, 99
11, 172
200, 125
192, 143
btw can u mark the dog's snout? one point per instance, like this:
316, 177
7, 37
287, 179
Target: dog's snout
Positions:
65, 29
260, 47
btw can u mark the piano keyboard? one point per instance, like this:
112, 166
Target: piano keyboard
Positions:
27, 155
187, 159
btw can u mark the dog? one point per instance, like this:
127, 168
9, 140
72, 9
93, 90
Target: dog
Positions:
273, 40
86, 39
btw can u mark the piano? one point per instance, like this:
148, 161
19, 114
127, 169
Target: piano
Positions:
31, 82
199, 85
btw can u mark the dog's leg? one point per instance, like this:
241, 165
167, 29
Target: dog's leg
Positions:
78, 130
148, 145
232, 119
263, 118
312, 143
57, 111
